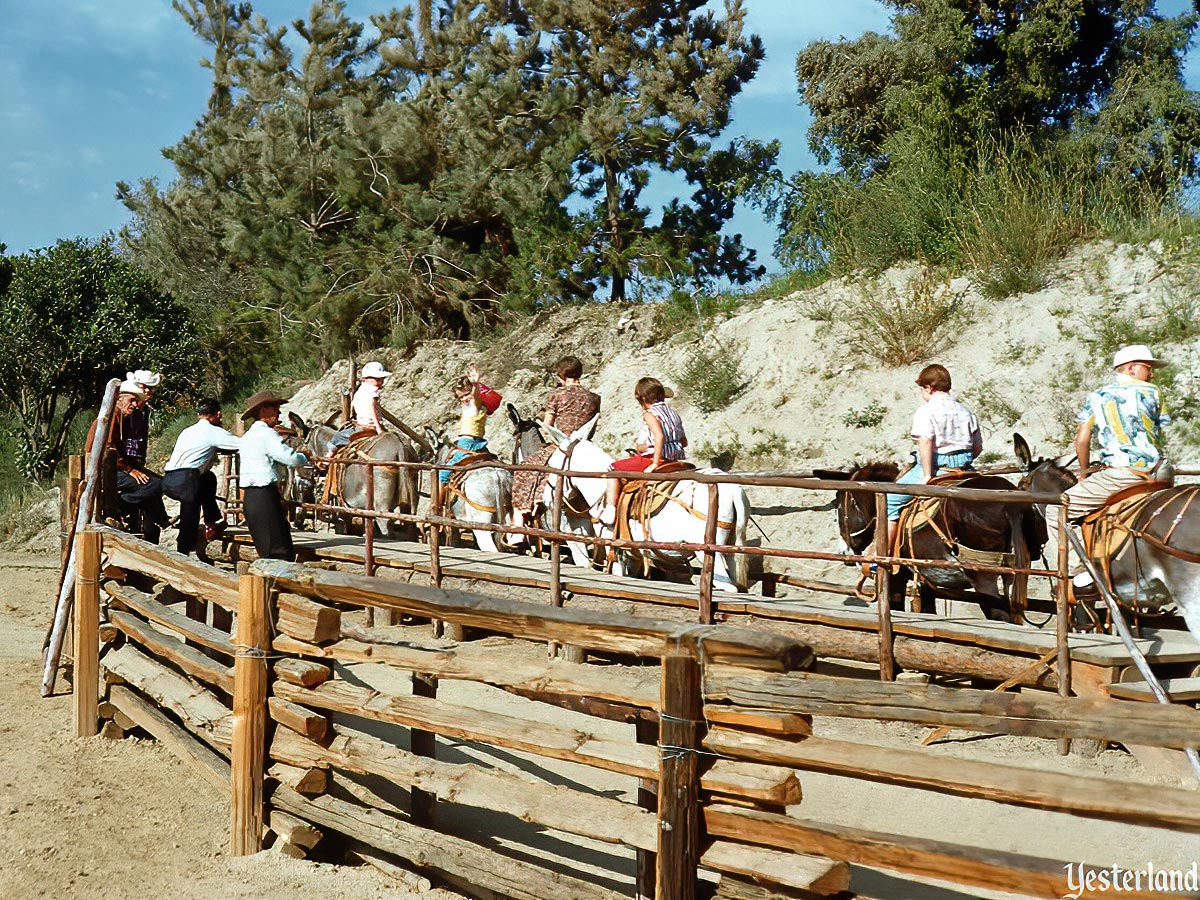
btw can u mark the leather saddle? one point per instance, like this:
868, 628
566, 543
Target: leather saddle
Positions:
1107, 530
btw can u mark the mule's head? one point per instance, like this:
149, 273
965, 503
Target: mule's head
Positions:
527, 435
856, 509
1043, 476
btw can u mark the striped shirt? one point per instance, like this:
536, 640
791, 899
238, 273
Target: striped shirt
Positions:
673, 433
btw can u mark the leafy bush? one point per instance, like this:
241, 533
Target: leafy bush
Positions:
867, 417
901, 325
711, 375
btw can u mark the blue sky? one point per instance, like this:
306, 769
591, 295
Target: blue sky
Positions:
94, 89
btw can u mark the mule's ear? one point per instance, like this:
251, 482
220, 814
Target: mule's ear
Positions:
584, 431
298, 424
514, 415
432, 437
333, 417
831, 474
1024, 454
558, 437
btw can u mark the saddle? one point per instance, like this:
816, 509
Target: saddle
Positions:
640, 501
1108, 529
454, 487
926, 512
360, 447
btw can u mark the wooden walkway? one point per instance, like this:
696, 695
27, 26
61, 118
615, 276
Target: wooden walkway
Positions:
1161, 647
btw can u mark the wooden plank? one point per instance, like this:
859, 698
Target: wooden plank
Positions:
1028, 713
302, 672
606, 631
249, 716
528, 799
1181, 690
738, 887
796, 870
151, 608
299, 719
1159, 645
199, 709
181, 572
766, 721
191, 660
86, 686
293, 830
913, 653
956, 863
211, 765
768, 784
310, 781
1094, 797
307, 620
490, 662
454, 859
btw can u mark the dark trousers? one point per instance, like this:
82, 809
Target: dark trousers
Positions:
196, 492
142, 504
267, 521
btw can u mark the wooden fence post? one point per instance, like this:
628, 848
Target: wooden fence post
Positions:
87, 635
681, 720
423, 743
249, 716
883, 575
708, 564
1062, 607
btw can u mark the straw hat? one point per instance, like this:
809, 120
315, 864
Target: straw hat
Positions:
261, 399
1137, 353
132, 387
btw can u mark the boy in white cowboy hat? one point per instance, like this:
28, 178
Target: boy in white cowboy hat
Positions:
368, 414
259, 449
1127, 418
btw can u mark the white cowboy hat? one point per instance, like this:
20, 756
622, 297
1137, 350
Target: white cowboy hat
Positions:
130, 386
1136, 353
375, 370
144, 377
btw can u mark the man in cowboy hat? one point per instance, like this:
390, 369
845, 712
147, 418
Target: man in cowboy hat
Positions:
260, 449
136, 434
189, 478
1127, 418
139, 491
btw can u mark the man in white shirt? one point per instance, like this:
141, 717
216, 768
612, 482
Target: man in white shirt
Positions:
260, 449
189, 477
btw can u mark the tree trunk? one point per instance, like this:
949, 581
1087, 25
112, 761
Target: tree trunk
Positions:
616, 240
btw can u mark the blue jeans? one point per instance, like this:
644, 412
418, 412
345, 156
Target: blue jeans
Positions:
464, 447
959, 459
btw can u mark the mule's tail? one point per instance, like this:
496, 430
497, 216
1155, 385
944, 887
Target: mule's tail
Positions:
1018, 593
741, 562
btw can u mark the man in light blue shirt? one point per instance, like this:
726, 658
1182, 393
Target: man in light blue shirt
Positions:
189, 477
260, 449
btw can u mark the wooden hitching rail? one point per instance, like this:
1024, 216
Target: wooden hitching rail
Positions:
259, 710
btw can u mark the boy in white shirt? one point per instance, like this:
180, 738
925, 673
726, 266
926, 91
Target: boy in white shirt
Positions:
947, 436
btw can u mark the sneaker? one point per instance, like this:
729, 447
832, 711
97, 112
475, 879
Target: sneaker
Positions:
1083, 579
608, 516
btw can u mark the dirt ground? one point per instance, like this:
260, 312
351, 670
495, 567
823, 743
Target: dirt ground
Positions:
127, 820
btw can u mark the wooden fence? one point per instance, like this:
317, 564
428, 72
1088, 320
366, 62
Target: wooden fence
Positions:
275, 688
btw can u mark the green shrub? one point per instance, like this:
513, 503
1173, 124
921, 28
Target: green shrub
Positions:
867, 417
901, 325
711, 375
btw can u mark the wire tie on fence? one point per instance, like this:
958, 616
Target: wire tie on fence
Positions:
247, 652
672, 752
671, 718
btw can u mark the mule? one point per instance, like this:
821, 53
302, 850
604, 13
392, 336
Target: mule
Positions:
1159, 566
970, 524
575, 518
682, 519
395, 490
484, 498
